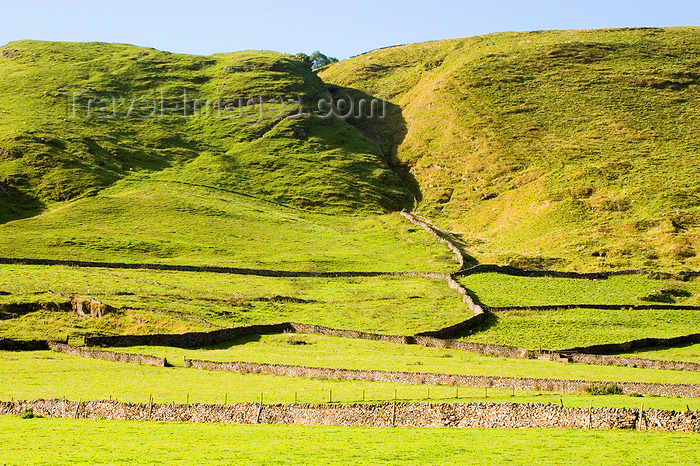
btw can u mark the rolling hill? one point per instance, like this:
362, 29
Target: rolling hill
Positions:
562, 149
558, 149
76, 118
111, 151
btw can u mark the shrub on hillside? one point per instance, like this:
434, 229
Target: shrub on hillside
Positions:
604, 389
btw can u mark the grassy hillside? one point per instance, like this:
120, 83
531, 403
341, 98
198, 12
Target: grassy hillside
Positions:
151, 302
143, 219
567, 149
77, 117
89, 169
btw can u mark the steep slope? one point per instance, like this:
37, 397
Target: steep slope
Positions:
573, 149
77, 117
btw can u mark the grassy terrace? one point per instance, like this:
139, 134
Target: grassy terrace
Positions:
504, 290
55, 375
563, 148
117, 442
148, 219
557, 329
386, 304
157, 301
319, 351
681, 353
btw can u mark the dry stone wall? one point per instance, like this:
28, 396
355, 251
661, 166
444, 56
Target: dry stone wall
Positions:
9, 344
426, 378
189, 339
188, 268
461, 327
510, 270
430, 228
516, 271
614, 307
633, 345
107, 355
201, 339
633, 362
502, 351
400, 414
481, 268
334, 332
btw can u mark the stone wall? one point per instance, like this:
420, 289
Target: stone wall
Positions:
613, 307
633, 362
201, 339
501, 351
461, 327
400, 414
8, 344
107, 355
444, 239
426, 378
516, 271
188, 268
510, 270
428, 339
334, 332
189, 339
633, 345
481, 268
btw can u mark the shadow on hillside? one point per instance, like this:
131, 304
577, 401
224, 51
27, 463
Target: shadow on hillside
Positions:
385, 126
475, 297
469, 261
16, 205
649, 352
237, 342
490, 320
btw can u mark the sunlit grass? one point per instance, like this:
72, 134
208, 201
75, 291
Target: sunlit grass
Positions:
61, 441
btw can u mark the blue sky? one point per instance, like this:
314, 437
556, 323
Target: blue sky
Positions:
337, 28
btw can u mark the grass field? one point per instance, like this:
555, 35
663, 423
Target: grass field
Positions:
157, 301
680, 353
550, 148
149, 220
61, 441
385, 304
55, 375
559, 149
505, 290
60, 325
318, 351
560, 329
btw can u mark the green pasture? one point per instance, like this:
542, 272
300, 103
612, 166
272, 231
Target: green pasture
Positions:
61, 441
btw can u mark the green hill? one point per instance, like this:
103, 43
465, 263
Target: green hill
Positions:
91, 168
56, 144
561, 149
566, 149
